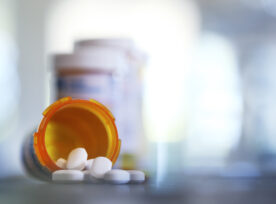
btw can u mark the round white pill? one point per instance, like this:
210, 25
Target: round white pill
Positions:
67, 175
136, 176
77, 159
89, 178
117, 176
61, 163
100, 166
88, 164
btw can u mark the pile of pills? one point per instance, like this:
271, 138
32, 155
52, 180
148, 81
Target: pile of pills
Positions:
78, 168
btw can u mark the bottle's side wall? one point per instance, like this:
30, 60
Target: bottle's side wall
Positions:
31, 163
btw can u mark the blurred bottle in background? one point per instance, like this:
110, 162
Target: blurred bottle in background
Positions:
260, 92
216, 103
110, 71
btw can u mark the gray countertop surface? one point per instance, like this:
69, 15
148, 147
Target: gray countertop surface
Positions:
186, 190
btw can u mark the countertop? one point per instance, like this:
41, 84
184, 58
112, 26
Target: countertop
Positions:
186, 190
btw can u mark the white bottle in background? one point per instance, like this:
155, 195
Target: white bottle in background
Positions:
109, 71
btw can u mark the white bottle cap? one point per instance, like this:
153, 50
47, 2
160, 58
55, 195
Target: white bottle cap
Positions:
116, 43
125, 46
96, 59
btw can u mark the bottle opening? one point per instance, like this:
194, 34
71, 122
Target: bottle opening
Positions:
72, 127
76, 123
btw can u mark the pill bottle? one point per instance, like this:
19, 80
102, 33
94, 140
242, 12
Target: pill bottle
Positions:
110, 71
90, 75
67, 124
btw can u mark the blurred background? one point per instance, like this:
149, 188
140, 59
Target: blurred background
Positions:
206, 98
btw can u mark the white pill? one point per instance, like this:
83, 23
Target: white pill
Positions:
77, 159
100, 166
117, 176
88, 164
61, 163
136, 176
89, 178
67, 175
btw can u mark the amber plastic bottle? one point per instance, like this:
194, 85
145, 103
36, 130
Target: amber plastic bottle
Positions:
68, 124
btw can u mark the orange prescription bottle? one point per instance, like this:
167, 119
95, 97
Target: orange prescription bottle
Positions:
67, 124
